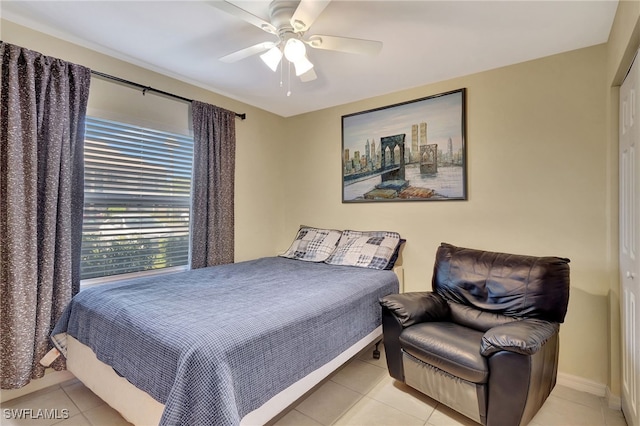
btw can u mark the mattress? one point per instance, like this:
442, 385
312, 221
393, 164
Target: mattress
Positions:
215, 344
140, 409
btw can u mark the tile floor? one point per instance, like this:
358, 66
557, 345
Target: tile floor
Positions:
361, 393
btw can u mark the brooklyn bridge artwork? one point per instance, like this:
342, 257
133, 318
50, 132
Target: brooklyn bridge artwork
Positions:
409, 151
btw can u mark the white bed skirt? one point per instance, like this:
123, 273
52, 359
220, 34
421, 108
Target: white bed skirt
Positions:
139, 408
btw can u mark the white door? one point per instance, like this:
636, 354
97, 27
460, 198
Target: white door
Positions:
630, 242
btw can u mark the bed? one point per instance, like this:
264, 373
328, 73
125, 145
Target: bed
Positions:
225, 345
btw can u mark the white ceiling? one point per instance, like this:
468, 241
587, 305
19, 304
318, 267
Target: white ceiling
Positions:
424, 42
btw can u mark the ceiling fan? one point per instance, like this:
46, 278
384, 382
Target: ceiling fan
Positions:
289, 21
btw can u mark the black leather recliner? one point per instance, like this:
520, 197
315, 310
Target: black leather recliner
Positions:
485, 340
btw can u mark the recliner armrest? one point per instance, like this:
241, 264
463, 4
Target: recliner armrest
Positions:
416, 307
525, 337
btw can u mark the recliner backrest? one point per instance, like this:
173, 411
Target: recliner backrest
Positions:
475, 318
501, 284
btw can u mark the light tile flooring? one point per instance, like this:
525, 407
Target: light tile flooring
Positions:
361, 393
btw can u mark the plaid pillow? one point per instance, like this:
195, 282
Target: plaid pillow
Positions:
373, 249
396, 253
313, 244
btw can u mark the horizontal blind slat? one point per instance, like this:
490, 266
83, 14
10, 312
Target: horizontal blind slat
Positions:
137, 199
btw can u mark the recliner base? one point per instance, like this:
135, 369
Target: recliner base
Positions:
465, 397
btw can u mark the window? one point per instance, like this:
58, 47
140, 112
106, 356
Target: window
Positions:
137, 197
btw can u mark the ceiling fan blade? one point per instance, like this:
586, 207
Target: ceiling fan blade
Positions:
308, 76
244, 15
344, 44
306, 13
248, 51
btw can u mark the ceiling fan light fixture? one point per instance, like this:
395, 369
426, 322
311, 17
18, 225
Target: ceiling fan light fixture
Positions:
272, 58
294, 50
302, 65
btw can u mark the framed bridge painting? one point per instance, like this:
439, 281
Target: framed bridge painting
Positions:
412, 151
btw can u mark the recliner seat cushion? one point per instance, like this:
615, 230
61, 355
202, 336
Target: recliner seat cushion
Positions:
448, 346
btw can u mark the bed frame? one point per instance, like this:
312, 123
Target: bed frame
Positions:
139, 408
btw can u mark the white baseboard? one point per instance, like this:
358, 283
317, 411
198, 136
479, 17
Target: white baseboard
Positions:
581, 384
50, 378
613, 401
589, 386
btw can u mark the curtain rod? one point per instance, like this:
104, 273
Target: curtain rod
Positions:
151, 89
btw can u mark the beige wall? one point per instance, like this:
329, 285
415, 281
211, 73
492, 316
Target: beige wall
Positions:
260, 138
537, 185
543, 179
542, 171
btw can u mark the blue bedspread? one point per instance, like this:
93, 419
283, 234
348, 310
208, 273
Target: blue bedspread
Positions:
214, 344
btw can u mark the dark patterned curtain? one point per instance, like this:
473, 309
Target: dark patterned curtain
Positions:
212, 212
43, 103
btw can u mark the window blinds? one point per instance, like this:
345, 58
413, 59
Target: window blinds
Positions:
137, 199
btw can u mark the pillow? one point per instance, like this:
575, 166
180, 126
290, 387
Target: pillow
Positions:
371, 249
396, 253
313, 244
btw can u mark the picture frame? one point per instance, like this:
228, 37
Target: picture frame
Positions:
411, 151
